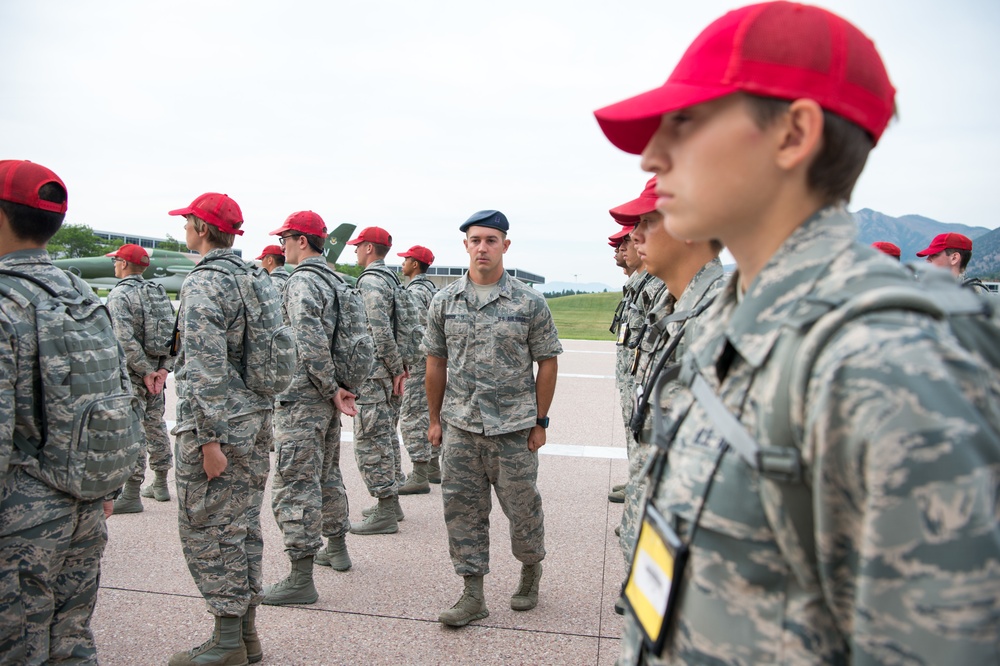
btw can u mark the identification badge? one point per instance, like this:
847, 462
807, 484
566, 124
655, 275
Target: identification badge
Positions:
654, 577
622, 334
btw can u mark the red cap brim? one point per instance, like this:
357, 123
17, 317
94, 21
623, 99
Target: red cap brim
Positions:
631, 123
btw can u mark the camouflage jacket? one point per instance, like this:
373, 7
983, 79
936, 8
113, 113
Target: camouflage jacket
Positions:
900, 474
380, 306
623, 357
20, 407
211, 324
423, 291
702, 288
127, 316
279, 276
490, 350
310, 308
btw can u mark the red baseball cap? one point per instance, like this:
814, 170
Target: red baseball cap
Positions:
944, 242
272, 249
217, 209
782, 50
628, 213
889, 248
376, 235
20, 181
305, 222
134, 254
420, 253
615, 240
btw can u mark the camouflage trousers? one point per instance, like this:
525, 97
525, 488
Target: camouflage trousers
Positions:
219, 520
414, 419
307, 495
376, 444
470, 464
635, 491
156, 440
50, 564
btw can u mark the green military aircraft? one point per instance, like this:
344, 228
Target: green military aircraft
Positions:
170, 268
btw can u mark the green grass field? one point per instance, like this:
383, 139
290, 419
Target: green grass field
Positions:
585, 316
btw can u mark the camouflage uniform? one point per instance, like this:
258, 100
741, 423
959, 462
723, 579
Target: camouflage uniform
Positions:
376, 444
308, 496
413, 416
50, 543
127, 316
702, 287
899, 472
219, 520
489, 408
279, 276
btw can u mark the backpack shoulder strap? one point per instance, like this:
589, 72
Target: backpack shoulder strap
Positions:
390, 278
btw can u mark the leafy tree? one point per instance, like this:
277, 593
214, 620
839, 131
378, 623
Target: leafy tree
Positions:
349, 269
78, 240
172, 244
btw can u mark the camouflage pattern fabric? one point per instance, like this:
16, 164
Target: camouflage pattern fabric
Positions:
470, 464
378, 297
279, 276
219, 520
414, 418
307, 495
376, 444
703, 286
490, 349
50, 543
488, 410
902, 472
127, 318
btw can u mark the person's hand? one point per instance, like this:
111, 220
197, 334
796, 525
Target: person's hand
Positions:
536, 438
161, 383
215, 462
397, 383
344, 401
434, 433
109, 508
150, 381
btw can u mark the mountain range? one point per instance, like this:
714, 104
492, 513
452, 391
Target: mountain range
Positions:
913, 233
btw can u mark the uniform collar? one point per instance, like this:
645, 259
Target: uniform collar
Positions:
23, 257
777, 295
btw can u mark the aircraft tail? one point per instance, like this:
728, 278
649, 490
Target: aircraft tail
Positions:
337, 241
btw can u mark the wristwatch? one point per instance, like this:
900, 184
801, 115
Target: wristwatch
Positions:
544, 422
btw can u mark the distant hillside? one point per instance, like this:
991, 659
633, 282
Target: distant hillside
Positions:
911, 233
585, 316
986, 256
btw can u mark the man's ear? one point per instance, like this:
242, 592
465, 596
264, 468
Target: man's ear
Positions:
801, 134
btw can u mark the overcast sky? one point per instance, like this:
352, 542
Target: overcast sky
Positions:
412, 115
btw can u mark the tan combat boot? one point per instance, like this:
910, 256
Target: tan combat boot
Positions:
158, 489
417, 483
395, 507
224, 648
334, 555
471, 606
129, 501
382, 520
250, 638
296, 588
434, 469
526, 596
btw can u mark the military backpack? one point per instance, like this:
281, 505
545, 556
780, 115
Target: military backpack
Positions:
406, 327
268, 363
90, 421
158, 316
352, 346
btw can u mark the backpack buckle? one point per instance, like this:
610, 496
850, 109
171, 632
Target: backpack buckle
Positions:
781, 464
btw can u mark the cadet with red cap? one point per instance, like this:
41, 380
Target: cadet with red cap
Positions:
823, 541
953, 252
308, 496
642, 291
888, 248
223, 434
376, 445
50, 542
143, 318
272, 259
413, 419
